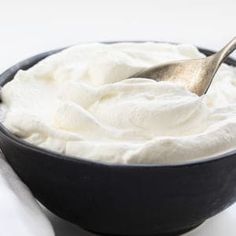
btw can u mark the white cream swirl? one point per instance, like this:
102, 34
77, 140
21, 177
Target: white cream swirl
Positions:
79, 103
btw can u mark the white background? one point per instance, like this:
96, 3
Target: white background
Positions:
30, 27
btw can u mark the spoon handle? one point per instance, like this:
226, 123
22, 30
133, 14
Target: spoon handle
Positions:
212, 64
225, 52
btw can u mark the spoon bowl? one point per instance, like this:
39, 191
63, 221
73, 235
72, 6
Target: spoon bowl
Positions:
195, 75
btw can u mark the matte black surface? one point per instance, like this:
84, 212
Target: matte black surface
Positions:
119, 199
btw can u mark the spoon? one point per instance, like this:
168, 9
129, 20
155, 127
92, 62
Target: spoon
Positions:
195, 75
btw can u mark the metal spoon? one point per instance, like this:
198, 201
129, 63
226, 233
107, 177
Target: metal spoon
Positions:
196, 75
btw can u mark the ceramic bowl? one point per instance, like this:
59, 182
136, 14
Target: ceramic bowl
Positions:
122, 199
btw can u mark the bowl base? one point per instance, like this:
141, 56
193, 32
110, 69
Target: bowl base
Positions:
174, 233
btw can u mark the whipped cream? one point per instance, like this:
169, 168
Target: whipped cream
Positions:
80, 103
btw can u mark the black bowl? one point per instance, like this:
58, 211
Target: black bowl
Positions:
122, 199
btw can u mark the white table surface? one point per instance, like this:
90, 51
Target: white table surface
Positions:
28, 27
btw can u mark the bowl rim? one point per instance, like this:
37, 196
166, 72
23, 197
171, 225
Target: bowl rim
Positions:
9, 74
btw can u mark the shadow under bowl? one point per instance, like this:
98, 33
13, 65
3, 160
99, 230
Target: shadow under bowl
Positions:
122, 199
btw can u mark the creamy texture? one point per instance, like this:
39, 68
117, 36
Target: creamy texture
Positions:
79, 103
